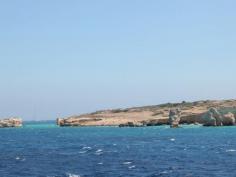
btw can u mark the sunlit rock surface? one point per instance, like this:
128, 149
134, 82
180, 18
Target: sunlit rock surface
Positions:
208, 113
10, 122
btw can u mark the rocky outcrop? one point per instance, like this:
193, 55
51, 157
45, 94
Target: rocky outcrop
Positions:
151, 122
191, 118
212, 118
228, 119
131, 124
11, 122
174, 117
75, 121
59, 121
155, 122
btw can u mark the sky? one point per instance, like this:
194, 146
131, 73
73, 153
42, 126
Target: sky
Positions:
60, 58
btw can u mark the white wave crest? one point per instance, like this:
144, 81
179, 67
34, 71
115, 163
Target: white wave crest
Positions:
126, 163
133, 166
231, 150
72, 175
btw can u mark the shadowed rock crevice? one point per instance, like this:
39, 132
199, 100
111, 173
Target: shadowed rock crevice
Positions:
228, 119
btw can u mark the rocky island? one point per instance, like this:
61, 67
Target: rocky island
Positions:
207, 113
10, 122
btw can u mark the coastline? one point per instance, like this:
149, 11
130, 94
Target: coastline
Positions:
206, 113
198, 112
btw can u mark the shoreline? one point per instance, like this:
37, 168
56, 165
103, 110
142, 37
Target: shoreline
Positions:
207, 113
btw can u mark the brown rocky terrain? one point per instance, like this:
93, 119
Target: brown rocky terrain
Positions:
191, 113
10, 122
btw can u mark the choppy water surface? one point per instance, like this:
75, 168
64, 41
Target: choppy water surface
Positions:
45, 150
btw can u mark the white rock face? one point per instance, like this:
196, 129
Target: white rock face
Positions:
11, 122
214, 118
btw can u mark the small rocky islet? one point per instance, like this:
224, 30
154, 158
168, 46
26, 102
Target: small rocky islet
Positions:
206, 113
10, 122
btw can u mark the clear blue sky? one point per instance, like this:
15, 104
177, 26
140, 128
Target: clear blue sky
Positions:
60, 58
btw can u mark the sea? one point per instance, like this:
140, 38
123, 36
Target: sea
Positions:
42, 149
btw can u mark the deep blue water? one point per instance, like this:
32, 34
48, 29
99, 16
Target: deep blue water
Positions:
43, 149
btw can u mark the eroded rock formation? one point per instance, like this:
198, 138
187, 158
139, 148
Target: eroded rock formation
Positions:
74, 121
174, 117
212, 118
11, 122
155, 122
228, 119
131, 124
151, 122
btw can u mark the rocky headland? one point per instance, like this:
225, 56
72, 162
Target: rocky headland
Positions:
10, 122
207, 113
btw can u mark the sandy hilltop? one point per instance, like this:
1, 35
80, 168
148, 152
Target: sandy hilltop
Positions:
209, 113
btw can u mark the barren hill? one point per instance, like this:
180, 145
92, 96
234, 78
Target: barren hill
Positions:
149, 115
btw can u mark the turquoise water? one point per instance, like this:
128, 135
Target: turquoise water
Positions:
45, 150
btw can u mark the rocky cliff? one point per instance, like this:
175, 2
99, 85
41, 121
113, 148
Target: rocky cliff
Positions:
200, 112
10, 122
